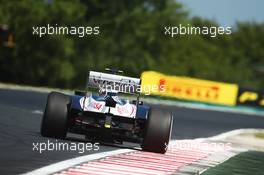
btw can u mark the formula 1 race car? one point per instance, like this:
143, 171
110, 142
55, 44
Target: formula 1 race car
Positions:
106, 116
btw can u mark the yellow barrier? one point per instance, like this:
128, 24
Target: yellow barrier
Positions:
250, 97
189, 88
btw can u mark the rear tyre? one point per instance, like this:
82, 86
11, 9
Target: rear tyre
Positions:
55, 119
157, 131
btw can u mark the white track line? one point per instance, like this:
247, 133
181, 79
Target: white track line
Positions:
229, 134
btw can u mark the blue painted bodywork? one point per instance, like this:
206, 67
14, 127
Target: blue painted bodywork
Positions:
75, 102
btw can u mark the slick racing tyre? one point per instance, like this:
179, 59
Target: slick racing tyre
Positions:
55, 119
157, 131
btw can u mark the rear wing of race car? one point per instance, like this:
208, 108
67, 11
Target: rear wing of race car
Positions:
113, 82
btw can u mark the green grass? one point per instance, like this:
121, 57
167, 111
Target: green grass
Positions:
247, 163
260, 135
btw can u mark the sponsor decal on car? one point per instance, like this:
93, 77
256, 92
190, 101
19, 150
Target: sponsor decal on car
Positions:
125, 110
96, 105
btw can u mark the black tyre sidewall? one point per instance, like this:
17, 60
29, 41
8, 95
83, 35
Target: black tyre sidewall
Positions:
55, 119
157, 131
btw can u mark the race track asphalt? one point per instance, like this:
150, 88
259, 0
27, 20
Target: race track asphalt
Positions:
20, 117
